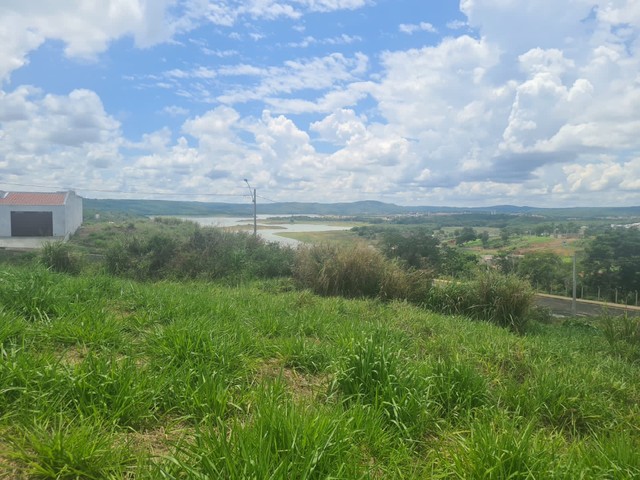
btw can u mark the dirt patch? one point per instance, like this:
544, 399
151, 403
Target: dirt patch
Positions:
560, 246
158, 442
74, 355
8, 467
302, 386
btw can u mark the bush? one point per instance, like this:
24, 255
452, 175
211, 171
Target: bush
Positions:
622, 332
58, 256
352, 271
196, 252
503, 300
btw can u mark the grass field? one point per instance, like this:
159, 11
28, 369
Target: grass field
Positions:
109, 378
520, 245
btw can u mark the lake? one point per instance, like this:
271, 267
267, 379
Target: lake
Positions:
268, 231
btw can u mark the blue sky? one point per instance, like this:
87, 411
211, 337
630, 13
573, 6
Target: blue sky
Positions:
415, 102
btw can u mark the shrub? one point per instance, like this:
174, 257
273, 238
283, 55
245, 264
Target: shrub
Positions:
59, 257
351, 271
622, 332
503, 300
194, 252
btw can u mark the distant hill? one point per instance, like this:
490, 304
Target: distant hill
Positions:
369, 207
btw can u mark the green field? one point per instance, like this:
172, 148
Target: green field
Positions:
103, 377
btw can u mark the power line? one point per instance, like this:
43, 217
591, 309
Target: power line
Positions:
267, 199
50, 187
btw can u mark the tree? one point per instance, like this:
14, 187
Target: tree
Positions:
467, 234
612, 260
506, 262
543, 269
417, 247
484, 238
457, 263
504, 235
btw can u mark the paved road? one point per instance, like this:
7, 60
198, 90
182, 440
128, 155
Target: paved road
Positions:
586, 308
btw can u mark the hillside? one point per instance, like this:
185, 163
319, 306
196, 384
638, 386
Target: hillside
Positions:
110, 378
166, 207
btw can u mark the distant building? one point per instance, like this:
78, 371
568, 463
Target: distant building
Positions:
627, 226
31, 214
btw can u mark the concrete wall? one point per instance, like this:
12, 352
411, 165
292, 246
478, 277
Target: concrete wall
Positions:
73, 214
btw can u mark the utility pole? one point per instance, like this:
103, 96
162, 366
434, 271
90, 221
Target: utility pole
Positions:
255, 211
573, 300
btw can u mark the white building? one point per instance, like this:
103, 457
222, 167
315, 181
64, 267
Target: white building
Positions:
30, 214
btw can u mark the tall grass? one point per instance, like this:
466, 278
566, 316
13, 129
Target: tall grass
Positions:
503, 300
69, 449
623, 334
197, 252
60, 257
501, 448
354, 271
374, 375
102, 377
31, 293
278, 440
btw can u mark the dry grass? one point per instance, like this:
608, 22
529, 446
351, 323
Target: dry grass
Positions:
302, 386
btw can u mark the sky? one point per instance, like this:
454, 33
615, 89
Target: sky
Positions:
413, 102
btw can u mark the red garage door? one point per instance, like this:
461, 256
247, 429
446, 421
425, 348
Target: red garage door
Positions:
31, 224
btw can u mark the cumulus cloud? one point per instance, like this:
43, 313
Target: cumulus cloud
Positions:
529, 102
86, 28
411, 28
58, 139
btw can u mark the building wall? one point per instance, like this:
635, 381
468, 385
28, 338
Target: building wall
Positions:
5, 221
66, 218
73, 214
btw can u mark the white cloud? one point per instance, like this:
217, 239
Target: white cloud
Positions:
411, 28
85, 27
343, 39
175, 111
57, 139
537, 103
318, 73
332, 5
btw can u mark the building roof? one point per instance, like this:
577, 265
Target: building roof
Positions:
33, 198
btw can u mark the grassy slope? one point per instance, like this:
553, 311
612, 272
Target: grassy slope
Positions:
102, 377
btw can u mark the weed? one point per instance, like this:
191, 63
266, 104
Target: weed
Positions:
623, 334
456, 387
59, 257
69, 449
500, 449
292, 441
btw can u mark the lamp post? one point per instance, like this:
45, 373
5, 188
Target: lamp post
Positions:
252, 191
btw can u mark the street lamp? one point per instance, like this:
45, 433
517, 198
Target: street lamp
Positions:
252, 192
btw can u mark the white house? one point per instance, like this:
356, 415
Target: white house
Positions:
31, 214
